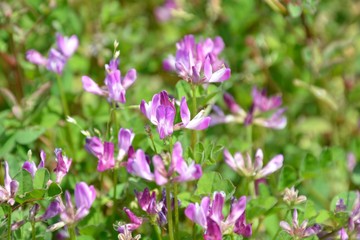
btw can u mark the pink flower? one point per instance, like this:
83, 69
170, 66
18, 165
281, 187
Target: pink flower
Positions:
8, 191
63, 165
103, 151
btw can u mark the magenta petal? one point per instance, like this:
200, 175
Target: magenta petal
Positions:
138, 165
184, 111
217, 207
84, 195
52, 210
129, 78
106, 160
220, 75
237, 209
242, 228
231, 104
135, 222
159, 171
94, 146
63, 165
213, 231
90, 86
165, 116
199, 122
42, 159
67, 45
30, 167
198, 213
125, 138
272, 166
208, 69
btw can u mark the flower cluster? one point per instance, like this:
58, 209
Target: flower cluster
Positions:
66, 46
209, 215
178, 171
104, 151
161, 112
198, 63
255, 170
300, 231
8, 192
257, 113
115, 85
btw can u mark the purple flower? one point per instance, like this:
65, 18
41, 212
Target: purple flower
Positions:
57, 57
209, 215
147, 201
198, 63
261, 105
300, 231
8, 191
161, 112
165, 12
254, 169
69, 215
63, 165
135, 222
103, 151
351, 161
125, 138
31, 167
115, 85
52, 210
343, 234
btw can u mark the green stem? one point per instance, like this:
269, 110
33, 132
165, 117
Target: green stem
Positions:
62, 96
153, 142
33, 231
72, 232
252, 188
115, 182
157, 231
176, 208
279, 228
194, 110
169, 213
9, 224
249, 138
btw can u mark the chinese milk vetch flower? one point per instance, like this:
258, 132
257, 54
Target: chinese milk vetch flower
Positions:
198, 63
63, 165
178, 170
135, 222
31, 167
248, 168
125, 138
161, 112
300, 231
70, 214
8, 191
103, 151
209, 216
115, 85
258, 113
57, 58
290, 196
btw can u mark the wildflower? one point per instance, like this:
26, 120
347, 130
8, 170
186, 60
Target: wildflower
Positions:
300, 231
351, 161
198, 63
63, 165
161, 112
138, 165
126, 235
56, 61
135, 222
165, 12
103, 151
209, 216
291, 196
31, 167
125, 138
257, 114
255, 170
343, 234
115, 85
8, 191
69, 215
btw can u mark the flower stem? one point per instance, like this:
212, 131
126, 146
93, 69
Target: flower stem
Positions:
62, 96
169, 213
114, 182
252, 188
157, 231
249, 138
194, 110
153, 142
9, 223
33, 230
176, 208
279, 229
72, 232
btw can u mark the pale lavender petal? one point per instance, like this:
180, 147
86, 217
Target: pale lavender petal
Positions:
220, 75
129, 78
229, 160
218, 45
277, 120
232, 105
94, 146
135, 222
295, 221
258, 160
351, 161
284, 225
208, 71
272, 166
42, 159
63, 165
198, 213
138, 166
199, 122
52, 210
67, 45
81, 213
90, 86
184, 111
217, 207
343, 234
106, 160
169, 64
159, 171
116, 89
125, 138
165, 116
84, 195
237, 209
56, 61
313, 230
35, 57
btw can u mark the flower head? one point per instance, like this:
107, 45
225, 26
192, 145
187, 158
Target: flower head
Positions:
246, 167
300, 231
31, 167
291, 196
115, 85
56, 61
209, 215
63, 165
103, 151
8, 191
135, 222
198, 63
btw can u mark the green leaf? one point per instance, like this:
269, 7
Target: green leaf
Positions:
34, 195
260, 206
294, 10
348, 197
28, 135
213, 181
54, 190
309, 166
183, 89
41, 178
288, 177
25, 182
